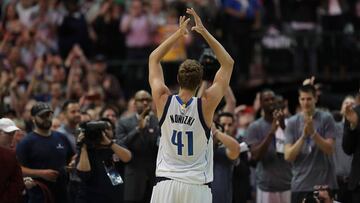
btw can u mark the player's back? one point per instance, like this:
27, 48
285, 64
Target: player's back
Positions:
186, 146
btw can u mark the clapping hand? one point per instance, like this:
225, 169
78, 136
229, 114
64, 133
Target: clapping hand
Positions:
309, 81
351, 115
278, 120
143, 117
308, 125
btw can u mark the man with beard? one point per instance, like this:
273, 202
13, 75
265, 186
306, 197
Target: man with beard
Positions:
43, 155
273, 173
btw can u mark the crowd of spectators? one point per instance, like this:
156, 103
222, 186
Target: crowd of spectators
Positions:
57, 52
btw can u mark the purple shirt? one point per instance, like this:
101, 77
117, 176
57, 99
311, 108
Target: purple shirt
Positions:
138, 35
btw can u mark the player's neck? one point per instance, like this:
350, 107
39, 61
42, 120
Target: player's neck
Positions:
185, 95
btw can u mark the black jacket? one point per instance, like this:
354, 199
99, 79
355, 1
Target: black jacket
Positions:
351, 146
143, 144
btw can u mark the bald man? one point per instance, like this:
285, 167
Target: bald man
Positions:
140, 133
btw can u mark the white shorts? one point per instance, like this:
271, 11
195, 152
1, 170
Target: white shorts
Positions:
273, 197
172, 191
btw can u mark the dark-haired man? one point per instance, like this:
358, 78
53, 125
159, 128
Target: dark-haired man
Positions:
43, 155
351, 146
226, 153
71, 111
309, 145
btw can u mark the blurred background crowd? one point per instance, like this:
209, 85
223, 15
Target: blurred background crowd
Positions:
55, 48
95, 52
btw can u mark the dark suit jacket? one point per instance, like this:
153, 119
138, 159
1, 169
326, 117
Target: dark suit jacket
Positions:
351, 146
143, 144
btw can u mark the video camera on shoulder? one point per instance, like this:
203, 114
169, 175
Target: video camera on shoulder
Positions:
93, 132
210, 63
314, 197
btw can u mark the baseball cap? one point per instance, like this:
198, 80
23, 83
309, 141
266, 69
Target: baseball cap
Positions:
7, 125
40, 108
99, 58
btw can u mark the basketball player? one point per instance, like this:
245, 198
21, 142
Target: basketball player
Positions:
185, 157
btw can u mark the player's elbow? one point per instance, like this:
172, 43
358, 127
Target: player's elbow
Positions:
152, 56
229, 62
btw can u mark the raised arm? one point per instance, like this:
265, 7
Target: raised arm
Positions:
351, 129
230, 101
216, 91
159, 90
232, 146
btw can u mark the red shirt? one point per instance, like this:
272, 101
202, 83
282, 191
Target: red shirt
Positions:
11, 180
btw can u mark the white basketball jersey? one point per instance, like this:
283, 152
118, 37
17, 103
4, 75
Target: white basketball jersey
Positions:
186, 146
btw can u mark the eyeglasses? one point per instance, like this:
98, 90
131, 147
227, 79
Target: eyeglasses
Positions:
143, 99
321, 187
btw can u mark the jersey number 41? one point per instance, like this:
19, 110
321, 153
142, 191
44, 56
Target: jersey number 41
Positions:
177, 140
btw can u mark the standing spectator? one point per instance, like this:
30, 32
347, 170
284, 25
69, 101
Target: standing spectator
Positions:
333, 22
43, 155
11, 181
100, 180
10, 22
226, 152
140, 134
137, 29
240, 20
273, 173
73, 30
342, 160
111, 113
157, 17
71, 111
27, 10
7, 132
109, 40
303, 24
309, 145
110, 84
351, 146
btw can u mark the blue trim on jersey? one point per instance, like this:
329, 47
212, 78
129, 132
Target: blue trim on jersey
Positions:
202, 121
182, 103
163, 116
206, 160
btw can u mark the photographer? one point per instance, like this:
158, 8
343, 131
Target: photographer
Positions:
321, 194
100, 180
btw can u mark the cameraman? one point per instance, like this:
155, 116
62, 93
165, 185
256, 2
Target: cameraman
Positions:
322, 194
96, 160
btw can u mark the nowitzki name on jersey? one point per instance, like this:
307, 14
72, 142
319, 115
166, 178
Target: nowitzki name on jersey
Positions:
182, 119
